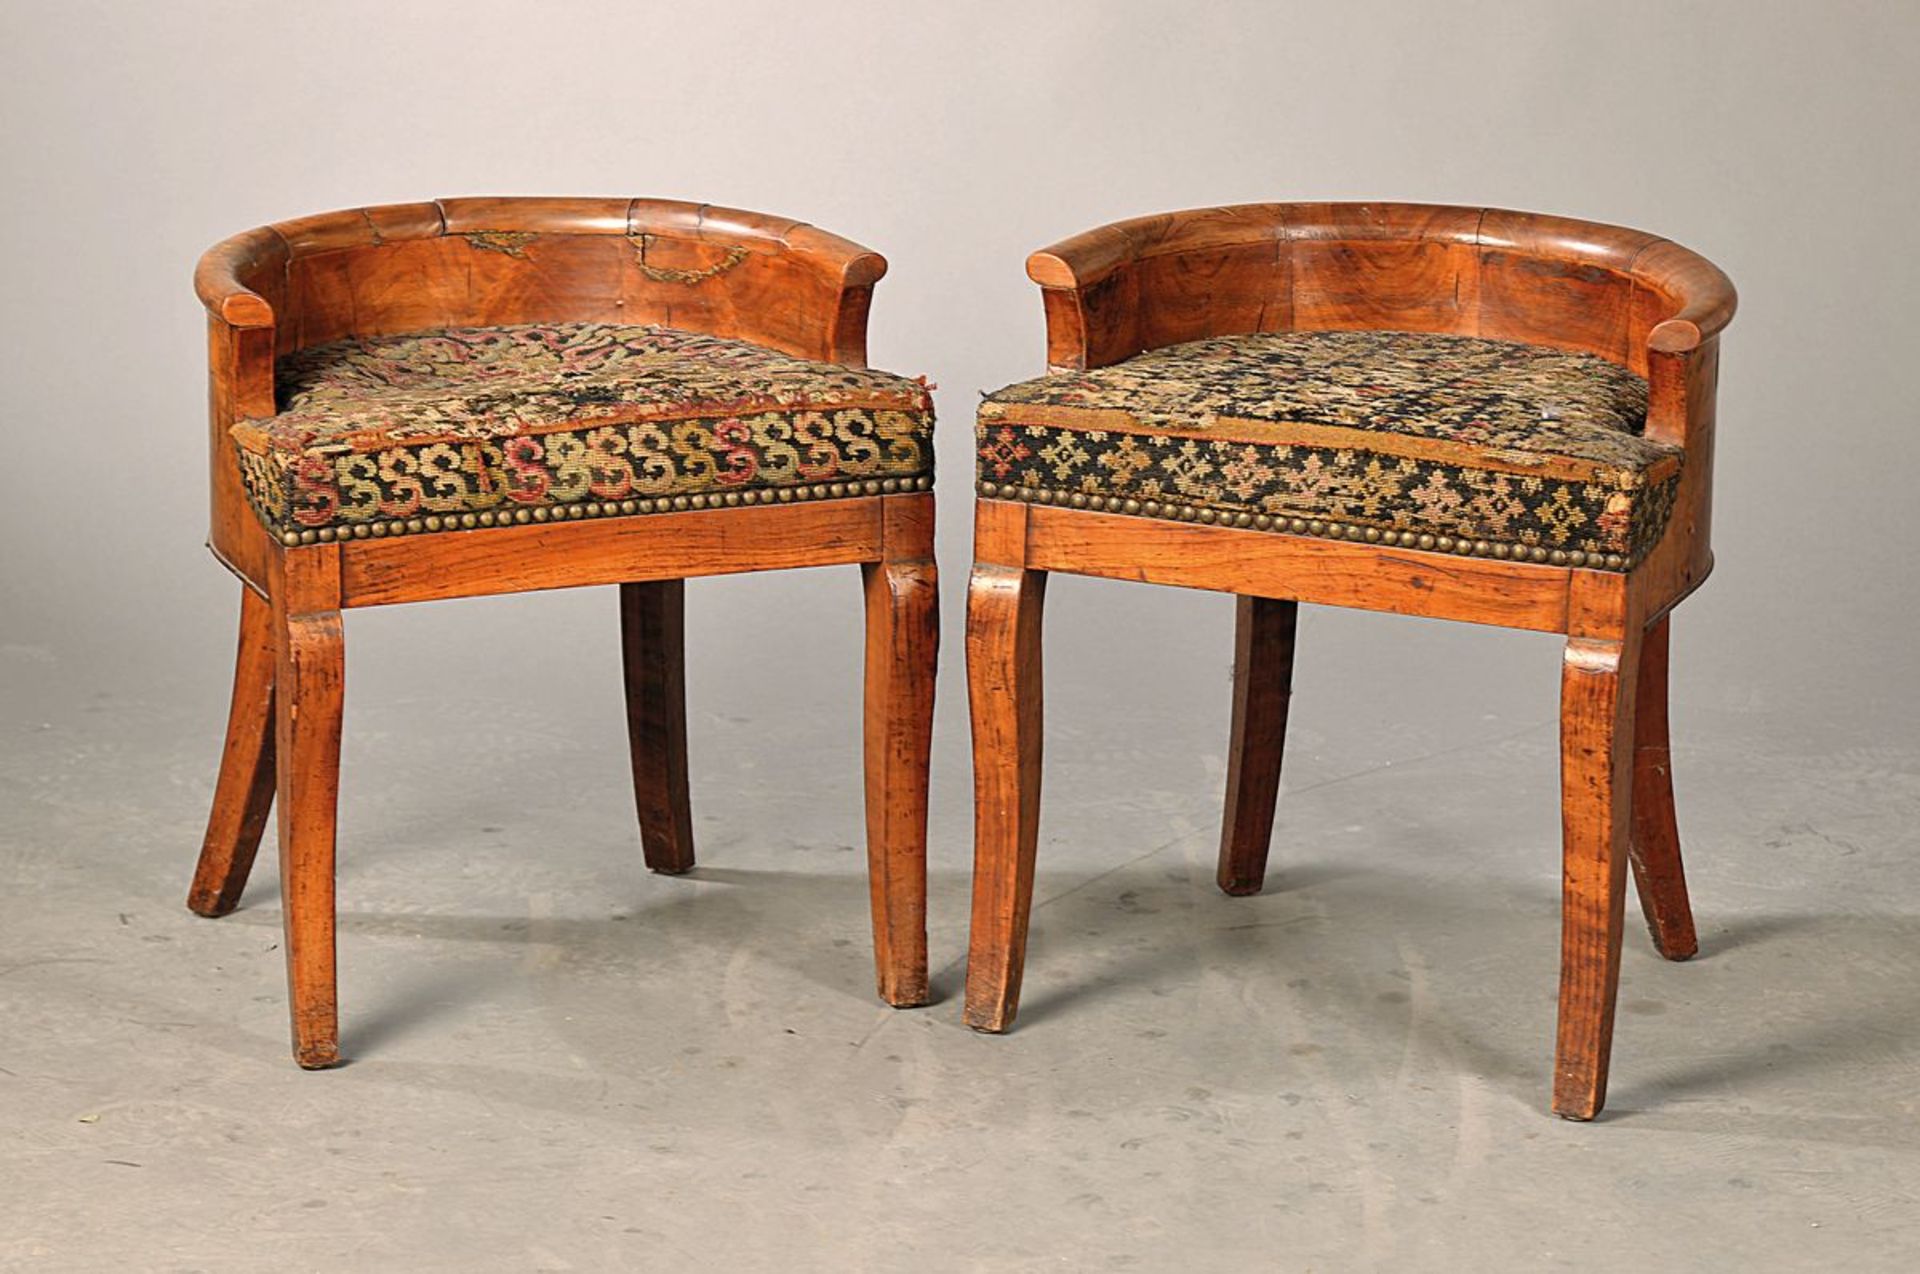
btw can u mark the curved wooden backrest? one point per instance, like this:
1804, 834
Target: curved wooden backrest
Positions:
479, 262
1160, 280
482, 262
1624, 295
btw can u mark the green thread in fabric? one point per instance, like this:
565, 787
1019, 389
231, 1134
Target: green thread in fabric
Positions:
1410, 433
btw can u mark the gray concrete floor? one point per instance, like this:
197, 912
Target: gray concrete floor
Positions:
560, 1062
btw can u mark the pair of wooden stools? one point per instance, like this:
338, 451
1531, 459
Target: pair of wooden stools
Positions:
1456, 412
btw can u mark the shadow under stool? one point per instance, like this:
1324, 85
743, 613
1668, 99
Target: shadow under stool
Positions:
1463, 413
481, 396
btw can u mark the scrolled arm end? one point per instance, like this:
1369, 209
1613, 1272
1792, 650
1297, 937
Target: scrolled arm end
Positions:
1674, 336
1084, 259
242, 309
224, 278
841, 260
1703, 297
850, 271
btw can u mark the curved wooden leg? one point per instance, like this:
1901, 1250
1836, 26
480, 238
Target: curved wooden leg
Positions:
1262, 687
1596, 756
903, 642
653, 649
310, 669
243, 794
1004, 691
1657, 871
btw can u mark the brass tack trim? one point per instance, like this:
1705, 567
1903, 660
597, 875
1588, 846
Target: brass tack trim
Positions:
1317, 527
433, 522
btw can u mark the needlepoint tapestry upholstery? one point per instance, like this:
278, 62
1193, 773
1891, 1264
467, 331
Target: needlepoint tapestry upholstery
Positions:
1488, 447
462, 427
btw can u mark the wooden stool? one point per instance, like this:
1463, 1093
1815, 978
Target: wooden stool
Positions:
480, 396
1457, 412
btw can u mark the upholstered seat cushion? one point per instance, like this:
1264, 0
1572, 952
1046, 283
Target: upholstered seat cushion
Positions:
1446, 443
486, 426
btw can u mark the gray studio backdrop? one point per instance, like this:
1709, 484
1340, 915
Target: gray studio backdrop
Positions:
956, 138
1348, 1072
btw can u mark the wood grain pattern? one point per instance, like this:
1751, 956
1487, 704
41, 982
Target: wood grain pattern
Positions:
309, 679
1596, 733
1621, 294
1004, 605
239, 384
1116, 290
1263, 647
653, 647
1658, 875
484, 261
902, 652
243, 793
1682, 409
1326, 572
610, 551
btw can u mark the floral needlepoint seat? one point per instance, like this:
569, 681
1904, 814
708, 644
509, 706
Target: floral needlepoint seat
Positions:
481, 426
473, 397
1481, 447
1460, 413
